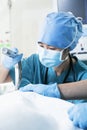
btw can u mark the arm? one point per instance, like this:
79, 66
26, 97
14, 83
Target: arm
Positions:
4, 75
9, 59
75, 90
67, 91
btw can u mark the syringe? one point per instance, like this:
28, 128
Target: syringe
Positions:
9, 52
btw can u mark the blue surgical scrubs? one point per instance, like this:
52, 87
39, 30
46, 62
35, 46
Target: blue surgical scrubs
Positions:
34, 72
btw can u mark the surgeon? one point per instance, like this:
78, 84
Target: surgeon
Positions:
53, 72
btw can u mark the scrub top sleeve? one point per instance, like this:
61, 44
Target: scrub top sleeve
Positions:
83, 75
80, 70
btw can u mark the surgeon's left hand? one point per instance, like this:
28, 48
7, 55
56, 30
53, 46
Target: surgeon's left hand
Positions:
78, 114
50, 90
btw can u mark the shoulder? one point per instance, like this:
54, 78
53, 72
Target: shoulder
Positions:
81, 64
80, 69
32, 61
31, 58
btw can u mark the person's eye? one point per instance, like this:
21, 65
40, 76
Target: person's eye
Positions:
52, 49
41, 45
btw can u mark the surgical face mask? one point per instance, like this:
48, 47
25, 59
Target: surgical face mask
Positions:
50, 58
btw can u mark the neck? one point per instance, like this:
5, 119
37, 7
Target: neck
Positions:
63, 66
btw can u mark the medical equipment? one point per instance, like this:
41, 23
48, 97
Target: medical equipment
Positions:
18, 66
18, 74
77, 7
9, 52
80, 50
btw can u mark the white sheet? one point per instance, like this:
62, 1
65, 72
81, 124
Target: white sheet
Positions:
31, 111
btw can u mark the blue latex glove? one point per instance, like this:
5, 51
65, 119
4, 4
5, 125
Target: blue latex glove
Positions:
78, 114
50, 90
9, 62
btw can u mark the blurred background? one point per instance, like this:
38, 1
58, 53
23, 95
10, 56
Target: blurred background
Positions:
20, 21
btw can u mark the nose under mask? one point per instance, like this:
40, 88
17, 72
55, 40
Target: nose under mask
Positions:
50, 58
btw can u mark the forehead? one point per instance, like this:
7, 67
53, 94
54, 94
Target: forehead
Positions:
48, 46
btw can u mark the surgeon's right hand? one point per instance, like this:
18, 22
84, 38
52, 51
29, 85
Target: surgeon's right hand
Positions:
50, 90
9, 62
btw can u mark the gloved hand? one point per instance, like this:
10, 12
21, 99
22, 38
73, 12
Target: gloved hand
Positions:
50, 90
78, 114
9, 62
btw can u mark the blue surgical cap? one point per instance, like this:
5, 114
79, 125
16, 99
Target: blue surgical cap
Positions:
61, 30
